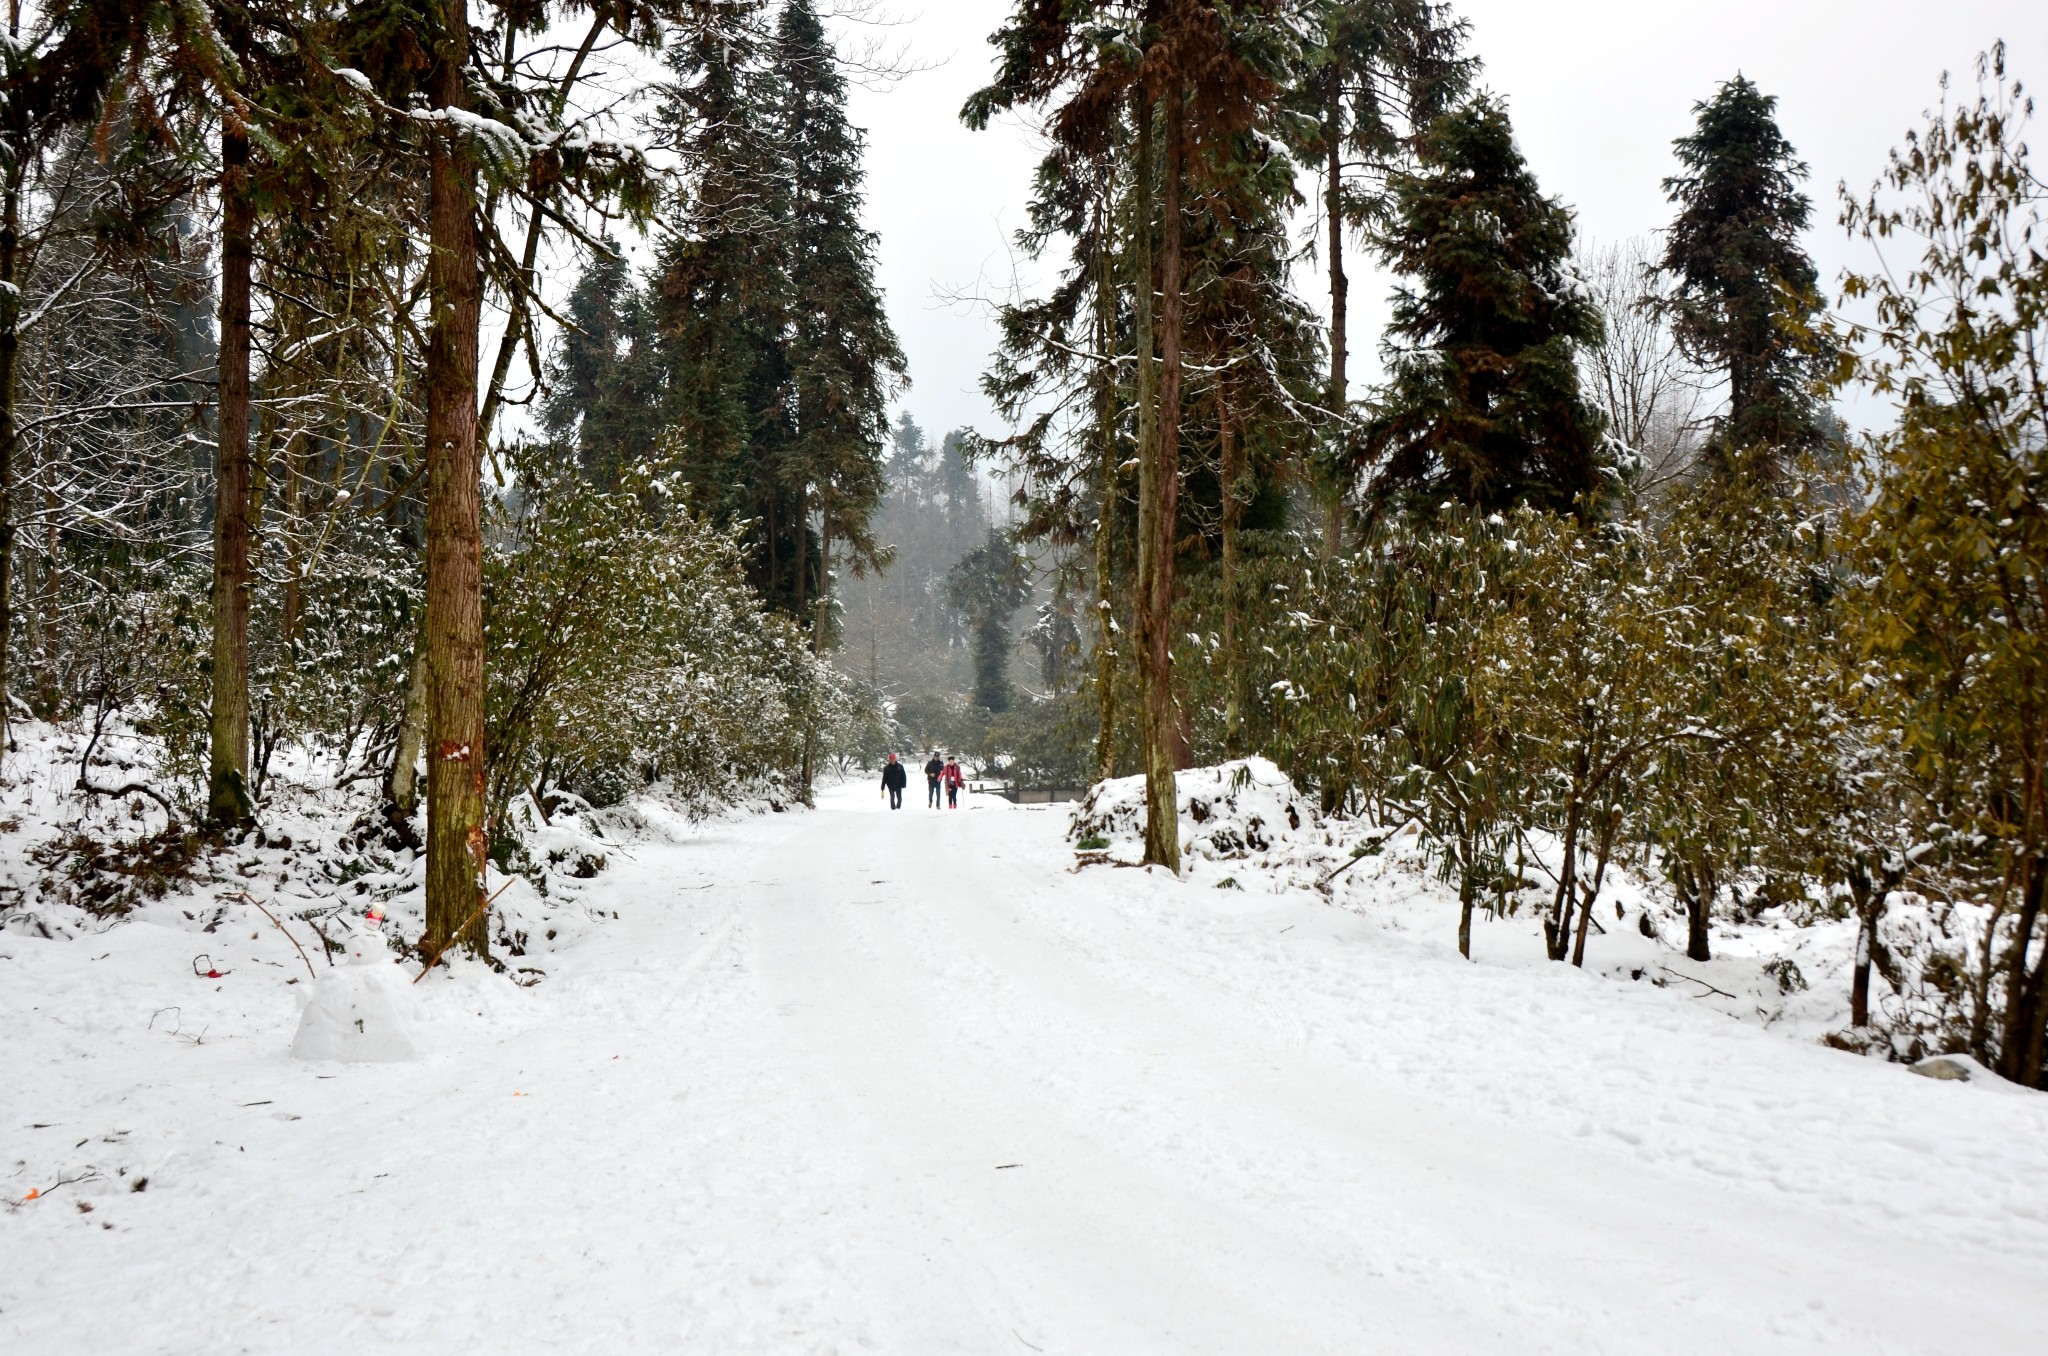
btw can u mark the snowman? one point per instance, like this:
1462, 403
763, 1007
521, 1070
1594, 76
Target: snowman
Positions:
361, 1011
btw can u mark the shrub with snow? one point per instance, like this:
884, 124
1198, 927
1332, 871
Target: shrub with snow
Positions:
1247, 810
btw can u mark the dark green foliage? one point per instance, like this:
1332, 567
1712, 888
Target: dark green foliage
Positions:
1381, 71
604, 394
1744, 286
1045, 741
987, 587
1484, 404
844, 359
627, 648
778, 357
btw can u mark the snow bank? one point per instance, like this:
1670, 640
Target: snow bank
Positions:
1246, 811
1783, 965
324, 863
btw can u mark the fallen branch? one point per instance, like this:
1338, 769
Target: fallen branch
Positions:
311, 973
1695, 979
84, 784
1370, 848
131, 789
37, 1193
442, 950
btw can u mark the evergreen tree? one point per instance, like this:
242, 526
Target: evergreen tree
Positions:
604, 390
780, 360
1484, 404
1743, 286
722, 293
1188, 78
844, 362
987, 587
1377, 73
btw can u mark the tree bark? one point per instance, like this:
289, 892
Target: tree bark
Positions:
1468, 892
228, 802
10, 352
1106, 493
1158, 732
821, 622
799, 566
1340, 290
2024, 1049
1609, 824
1233, 512
1859, 981
818, 626
1698, 888
1557, 929
457, 845
1861, 894
401, 787
1333, 209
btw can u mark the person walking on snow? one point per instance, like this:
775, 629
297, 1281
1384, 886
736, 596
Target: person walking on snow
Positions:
933, 771
894, 779
955, 778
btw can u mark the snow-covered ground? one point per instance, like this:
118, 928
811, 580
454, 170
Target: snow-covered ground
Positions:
853, 1081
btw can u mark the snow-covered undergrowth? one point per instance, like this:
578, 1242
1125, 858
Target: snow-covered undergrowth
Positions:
1786, 966
324, 880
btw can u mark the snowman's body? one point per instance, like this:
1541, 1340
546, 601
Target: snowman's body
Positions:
359, 1012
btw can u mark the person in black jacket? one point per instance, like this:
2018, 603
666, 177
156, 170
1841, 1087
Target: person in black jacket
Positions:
894, 779
932, 772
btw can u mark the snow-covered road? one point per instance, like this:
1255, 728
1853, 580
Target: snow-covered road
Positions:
860, 1082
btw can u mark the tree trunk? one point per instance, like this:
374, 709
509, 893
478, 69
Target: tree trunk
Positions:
10, 351
2024, 1049
1860, 893
1699, 902
1557, 929
401, 787
822, 622
1468, 892
1340, 293
1158, 728
1859, 981
228, 804
457, 845
1233, 511
1106, 495
1162, 819
818, 624
800, 563
1608, 826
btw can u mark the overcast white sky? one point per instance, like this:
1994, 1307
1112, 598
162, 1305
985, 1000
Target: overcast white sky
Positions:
1597, 89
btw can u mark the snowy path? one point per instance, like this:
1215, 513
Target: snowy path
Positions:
856, 1082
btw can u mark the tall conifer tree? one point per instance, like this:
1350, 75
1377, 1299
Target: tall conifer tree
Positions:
1376, 75
1194, 75
780, 357
1743, 285
844, 361
1483, 405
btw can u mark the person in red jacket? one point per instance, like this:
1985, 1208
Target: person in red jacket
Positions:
954, 778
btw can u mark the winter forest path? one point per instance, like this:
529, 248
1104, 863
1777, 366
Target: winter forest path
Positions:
855, 1081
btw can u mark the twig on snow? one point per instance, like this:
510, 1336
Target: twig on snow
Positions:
311, 973
1697, 980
